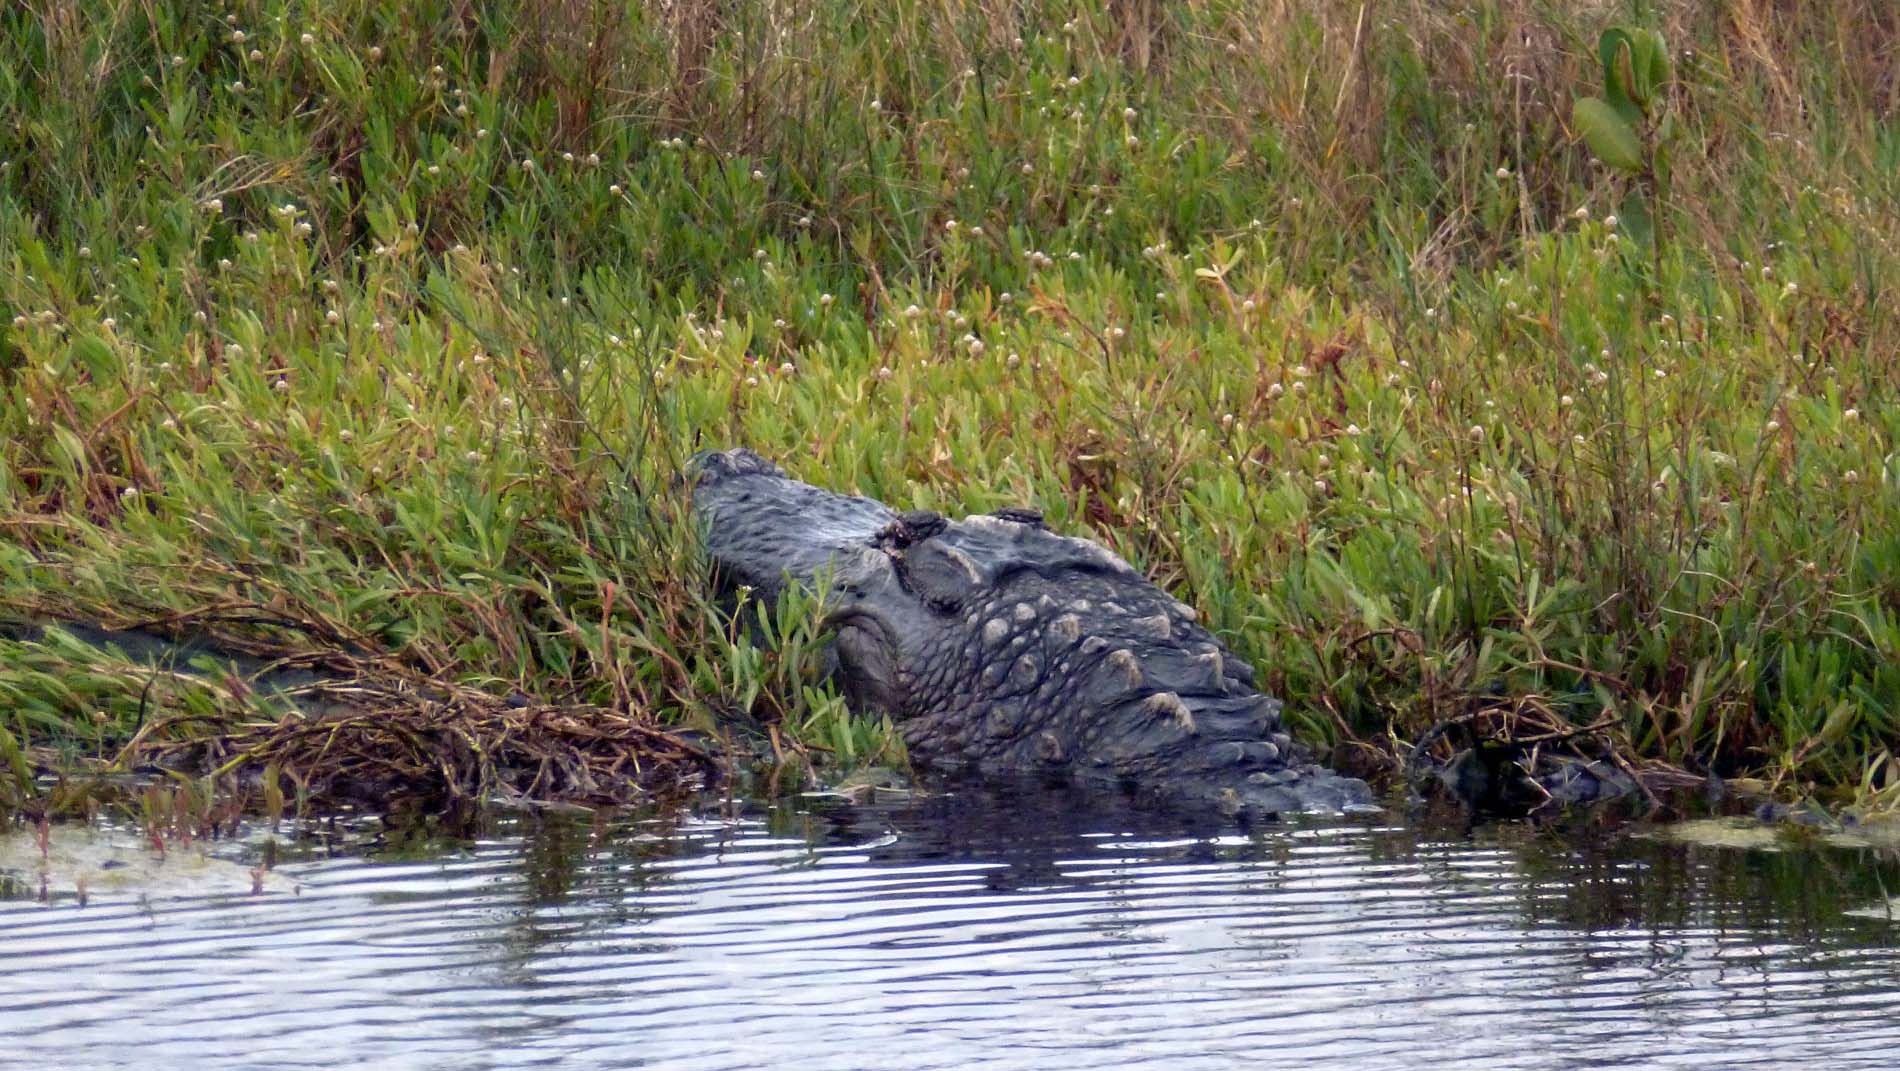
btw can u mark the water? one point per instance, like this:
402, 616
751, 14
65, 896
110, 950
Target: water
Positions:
974, 934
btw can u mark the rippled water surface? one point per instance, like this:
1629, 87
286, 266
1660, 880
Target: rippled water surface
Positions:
973, 933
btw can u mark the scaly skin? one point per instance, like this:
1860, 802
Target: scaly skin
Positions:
998, 645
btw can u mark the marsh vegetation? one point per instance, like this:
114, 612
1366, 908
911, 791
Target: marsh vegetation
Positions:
372, 336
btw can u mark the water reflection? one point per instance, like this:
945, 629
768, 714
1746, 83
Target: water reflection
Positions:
994, 931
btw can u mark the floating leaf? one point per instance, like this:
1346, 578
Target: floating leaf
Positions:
1730, 832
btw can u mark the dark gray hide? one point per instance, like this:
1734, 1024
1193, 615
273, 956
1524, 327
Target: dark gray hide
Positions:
999, 645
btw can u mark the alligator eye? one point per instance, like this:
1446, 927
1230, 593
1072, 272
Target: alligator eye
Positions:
911, 526
944, 577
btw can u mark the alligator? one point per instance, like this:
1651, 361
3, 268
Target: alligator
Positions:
1002, 648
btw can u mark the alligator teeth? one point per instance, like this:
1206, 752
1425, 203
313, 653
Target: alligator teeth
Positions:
1170, 705
1155, 627
1067, 628
1125, 663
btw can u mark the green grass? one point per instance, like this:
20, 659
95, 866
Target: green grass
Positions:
395, 321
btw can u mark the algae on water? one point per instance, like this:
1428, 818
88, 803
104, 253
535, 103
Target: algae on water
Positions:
85, 862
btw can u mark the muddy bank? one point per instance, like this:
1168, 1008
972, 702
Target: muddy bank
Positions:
280, 731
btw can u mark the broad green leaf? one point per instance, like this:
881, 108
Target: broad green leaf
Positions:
1649, 65
1608, 135
1613, 49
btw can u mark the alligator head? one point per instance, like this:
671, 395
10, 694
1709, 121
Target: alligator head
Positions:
997, 644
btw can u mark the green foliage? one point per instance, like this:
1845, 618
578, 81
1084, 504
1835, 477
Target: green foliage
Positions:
1624, 127
389, 325
1610, 135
